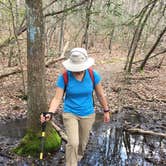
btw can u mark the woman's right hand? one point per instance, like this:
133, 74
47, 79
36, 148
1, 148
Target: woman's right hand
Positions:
45, 118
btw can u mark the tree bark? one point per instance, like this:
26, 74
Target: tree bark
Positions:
35, 64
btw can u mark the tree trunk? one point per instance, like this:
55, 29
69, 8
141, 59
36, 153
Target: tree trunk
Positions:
137, 34
35, 64
110, 39
152, 49
61, 36
88, 13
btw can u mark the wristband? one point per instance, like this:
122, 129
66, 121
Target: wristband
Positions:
105, 111
51, 114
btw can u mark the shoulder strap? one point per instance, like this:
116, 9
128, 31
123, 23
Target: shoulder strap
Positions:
90, 70
65, 77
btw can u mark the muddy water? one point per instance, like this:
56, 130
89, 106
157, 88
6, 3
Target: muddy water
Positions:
109, 145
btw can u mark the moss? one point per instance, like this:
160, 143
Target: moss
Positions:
30, 145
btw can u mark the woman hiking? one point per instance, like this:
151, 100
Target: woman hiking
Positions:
78, 83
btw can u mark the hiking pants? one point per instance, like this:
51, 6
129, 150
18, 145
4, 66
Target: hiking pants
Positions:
77, 130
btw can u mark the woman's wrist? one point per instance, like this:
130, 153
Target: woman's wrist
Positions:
106, 110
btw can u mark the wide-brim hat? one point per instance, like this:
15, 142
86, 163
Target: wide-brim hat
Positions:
78, 60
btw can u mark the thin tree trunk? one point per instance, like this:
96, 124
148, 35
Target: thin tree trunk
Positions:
110, 39
152, 49
10, 55
134, 38
137, 35
18, 47
61, 36
88, 13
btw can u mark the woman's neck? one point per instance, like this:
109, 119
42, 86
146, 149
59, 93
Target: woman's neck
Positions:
79, 75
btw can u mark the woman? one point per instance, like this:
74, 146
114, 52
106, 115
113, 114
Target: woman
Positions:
78, 112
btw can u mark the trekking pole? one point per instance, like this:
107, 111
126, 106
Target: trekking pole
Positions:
43, 128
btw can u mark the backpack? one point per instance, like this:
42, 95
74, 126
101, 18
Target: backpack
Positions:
90, 70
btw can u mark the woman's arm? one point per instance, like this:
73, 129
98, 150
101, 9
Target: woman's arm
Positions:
103, 101
54, 104
56, 100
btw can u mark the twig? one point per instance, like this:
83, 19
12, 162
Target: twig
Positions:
65, 10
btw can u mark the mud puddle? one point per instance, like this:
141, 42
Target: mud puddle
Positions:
109, 145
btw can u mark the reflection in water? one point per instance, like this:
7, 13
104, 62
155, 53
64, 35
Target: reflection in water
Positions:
13, 129
111, 146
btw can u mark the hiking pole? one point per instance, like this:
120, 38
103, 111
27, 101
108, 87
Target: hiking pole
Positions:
43, 128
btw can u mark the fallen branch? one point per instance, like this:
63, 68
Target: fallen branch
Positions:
15, 70
9, 71
145, 132
53, 60
60, 131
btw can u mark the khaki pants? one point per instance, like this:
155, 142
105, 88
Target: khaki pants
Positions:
77, 130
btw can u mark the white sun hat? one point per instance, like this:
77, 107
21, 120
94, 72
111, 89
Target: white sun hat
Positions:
78, 60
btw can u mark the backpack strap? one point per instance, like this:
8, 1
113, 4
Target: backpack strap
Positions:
90, 70
65, 77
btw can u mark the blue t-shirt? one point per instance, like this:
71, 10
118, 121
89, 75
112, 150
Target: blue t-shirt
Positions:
78, 98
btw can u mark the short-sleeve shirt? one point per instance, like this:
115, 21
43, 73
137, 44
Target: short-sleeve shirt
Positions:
78, 98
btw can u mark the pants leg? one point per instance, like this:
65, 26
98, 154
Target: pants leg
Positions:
85, 125
77, 130
71, 126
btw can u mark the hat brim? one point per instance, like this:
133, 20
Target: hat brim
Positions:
78, 67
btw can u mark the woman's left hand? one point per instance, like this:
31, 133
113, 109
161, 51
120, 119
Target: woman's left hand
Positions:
107, 117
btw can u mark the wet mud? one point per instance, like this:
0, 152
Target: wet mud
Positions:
109, 144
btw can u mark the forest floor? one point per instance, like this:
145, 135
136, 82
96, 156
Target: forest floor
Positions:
144, 92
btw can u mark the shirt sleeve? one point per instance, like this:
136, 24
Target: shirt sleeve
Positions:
97, 77
60, 82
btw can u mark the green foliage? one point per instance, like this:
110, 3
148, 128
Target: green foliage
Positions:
31, 143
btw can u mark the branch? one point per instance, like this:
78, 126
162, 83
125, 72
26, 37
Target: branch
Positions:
9, 71
65, 10
145, 132
159, 53
139, 14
